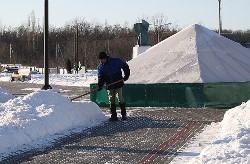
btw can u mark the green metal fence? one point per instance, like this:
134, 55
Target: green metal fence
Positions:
226, 94
179, 95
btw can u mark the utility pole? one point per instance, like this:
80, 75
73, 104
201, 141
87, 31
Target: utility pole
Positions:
85, 56
46, 44
57, 67
76, 50
10, 52
220, 22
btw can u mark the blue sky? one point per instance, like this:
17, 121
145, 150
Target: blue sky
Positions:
235, 13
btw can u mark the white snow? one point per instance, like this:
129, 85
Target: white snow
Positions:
5, 96
68, 79
193, 55
60, 79
225, 142
39, 118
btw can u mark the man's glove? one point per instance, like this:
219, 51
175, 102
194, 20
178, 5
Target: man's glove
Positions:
125, 78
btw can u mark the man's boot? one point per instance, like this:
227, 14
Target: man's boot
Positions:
123, 111
113, 113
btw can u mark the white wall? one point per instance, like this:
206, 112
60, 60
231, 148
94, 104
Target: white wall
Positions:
137, 50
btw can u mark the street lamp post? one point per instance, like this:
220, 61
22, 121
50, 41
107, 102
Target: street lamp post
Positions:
57, 47
46, 50
220, 22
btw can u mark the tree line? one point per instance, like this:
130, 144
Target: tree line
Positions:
24, 44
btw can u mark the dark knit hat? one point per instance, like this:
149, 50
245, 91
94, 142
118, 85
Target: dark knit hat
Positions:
102, 55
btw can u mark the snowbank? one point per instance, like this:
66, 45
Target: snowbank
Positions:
233, 144
42, 114
225, 142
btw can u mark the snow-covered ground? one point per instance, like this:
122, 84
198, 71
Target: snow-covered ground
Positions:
225, 142
35, 120
60, 79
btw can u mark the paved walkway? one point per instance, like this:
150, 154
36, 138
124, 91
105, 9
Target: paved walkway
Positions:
151, 135
20, 88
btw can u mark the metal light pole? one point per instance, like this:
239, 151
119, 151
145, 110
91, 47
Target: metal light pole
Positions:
220, 22
46, 44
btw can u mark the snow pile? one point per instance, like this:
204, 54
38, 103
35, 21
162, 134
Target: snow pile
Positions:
42, 114
193, 55
232, 145
4, 96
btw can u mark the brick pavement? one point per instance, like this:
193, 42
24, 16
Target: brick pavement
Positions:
20, 88
151, 135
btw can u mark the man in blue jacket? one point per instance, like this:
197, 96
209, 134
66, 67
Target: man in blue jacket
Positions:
109, 73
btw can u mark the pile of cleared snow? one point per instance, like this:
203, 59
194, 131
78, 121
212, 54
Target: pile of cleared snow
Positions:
193, 55
5, 96
233, 143
42, 114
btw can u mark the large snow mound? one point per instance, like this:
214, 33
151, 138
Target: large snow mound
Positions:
193, 55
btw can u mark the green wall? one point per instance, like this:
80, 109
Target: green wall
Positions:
193, 95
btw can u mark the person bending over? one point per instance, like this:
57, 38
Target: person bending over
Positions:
110, 73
